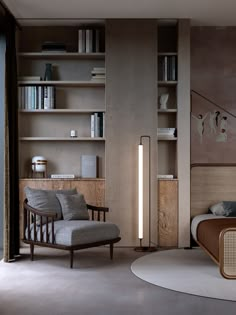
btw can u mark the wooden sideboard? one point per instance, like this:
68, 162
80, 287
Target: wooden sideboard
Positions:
92, 189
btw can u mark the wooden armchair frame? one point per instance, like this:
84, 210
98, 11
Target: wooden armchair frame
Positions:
37, 218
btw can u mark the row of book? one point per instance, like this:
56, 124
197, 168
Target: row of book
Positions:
89, 40
36, 97
167, 68
98, 74
97, 125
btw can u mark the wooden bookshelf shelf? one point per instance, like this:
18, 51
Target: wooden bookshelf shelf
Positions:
167, 54
168, 111
166, 83
61, 111
61, 139
63, 83
165, 138
62, 55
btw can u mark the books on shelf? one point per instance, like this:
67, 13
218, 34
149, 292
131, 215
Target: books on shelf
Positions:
89, 40
166, 131
98, 74
36, 97
70, 176
165, 176
97, 125
167, 68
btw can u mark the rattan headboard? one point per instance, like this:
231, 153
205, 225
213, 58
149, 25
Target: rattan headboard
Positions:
211, 183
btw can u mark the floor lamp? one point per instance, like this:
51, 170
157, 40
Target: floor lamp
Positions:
141, 248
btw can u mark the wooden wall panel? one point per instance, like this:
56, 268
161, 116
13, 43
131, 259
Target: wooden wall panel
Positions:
168, 213
131, 107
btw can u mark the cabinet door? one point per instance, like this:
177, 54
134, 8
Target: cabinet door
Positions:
168, 212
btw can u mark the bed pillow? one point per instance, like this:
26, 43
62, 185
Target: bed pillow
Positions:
225, 208
73, 207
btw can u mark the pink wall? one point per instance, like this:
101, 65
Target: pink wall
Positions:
213, 74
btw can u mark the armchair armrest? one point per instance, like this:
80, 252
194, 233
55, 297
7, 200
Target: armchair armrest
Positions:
98, 210
38, 218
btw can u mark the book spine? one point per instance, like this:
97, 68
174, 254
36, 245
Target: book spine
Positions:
165, 68
89, 41
29, 97
50, 97
40, 104
95, 124
23, 97
81, 41
45, 98
92, 126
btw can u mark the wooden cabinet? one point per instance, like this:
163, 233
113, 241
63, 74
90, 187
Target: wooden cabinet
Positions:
92, 189
168, 213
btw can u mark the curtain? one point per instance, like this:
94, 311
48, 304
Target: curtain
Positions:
11, 177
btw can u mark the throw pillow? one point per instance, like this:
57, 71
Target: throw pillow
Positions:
225, 208
73, 207
230, 208
46, 200
217, 209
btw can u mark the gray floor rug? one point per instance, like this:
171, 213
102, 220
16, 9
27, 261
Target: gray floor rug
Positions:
187, 271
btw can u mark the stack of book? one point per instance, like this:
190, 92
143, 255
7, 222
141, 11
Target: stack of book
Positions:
97, 125
165, 176
166, 132
98, 74
61, 176
33, 97
88, 40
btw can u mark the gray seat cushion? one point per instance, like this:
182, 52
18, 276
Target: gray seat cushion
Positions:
46, 200
78, 232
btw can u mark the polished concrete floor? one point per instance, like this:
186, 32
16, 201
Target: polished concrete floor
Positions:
106, 288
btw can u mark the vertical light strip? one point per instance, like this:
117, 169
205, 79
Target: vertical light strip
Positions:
140, 191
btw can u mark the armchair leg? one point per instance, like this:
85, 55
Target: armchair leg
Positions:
71, 258
111, 251
32, 251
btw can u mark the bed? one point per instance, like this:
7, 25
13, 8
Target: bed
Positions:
216, 234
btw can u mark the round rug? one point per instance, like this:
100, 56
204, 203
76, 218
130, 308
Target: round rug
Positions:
187, 271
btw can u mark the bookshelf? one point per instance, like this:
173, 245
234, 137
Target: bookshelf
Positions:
77, 97
173, 152
167, 85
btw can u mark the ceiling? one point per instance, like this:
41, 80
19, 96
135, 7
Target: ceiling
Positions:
201, 12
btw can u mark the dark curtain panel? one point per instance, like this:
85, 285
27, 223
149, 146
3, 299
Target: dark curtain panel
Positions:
11, 185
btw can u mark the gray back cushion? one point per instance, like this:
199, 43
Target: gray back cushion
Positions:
73, 207
46, 200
